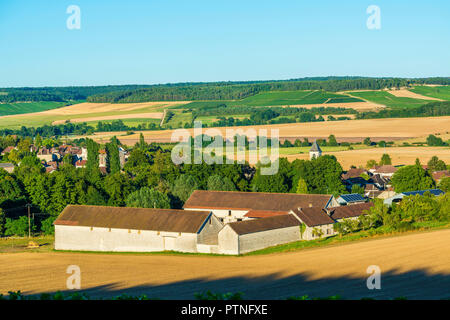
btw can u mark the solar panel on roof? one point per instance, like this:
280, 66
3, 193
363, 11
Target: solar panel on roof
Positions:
352, 197
435, 192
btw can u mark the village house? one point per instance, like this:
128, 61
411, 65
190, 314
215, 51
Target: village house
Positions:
234, 206
316, 221
349, 212
100, 228
9, 167
7, 150
80, 164
46, 154
439, 175
385, 171
399, 196
350, 199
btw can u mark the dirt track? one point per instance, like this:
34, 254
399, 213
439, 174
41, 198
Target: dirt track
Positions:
415, 266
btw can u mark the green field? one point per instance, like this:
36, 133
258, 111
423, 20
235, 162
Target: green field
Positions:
389, 100
278, 98
28, 107
441, 92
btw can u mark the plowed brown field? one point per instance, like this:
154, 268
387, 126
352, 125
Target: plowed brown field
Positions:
415, 265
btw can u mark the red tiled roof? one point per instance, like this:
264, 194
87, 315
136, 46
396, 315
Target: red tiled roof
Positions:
264, 213
385, 169
438, 175
353, 173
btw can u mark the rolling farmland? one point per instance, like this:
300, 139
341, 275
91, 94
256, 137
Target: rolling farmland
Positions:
438, 92
412, 265
389, 100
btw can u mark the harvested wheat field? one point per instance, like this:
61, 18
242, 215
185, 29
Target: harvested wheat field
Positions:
416, 266
399, 155
404, 93
151, 115
395, 128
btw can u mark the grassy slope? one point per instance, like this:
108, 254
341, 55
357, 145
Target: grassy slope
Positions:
389, 100
441, 92
28, 107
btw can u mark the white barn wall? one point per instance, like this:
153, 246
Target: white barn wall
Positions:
121, 240
228, 241
264, 239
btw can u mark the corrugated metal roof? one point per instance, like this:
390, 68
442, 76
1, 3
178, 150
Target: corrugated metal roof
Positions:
265, 224
133, 218
232, 200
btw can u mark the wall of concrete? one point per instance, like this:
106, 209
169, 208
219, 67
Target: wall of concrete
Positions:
327, 230
210, 231
232, 243
122, 240
260, 240
228, 241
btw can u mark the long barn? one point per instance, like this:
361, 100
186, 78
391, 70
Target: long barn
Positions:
101, 228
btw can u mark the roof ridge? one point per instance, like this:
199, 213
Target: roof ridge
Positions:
287, 193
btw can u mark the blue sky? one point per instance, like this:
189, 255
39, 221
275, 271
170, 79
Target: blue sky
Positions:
161, 41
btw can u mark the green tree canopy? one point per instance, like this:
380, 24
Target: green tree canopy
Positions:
219, 183
411, 178
148, 198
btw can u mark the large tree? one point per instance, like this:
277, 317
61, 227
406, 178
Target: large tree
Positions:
148, 198
219, 183
183, 186
435, 164
113, 160
411, 178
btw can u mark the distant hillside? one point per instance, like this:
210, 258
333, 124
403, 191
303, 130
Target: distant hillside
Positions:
239, 90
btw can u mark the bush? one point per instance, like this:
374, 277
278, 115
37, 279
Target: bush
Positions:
18, 227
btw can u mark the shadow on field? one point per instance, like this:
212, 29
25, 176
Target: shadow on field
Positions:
416, 284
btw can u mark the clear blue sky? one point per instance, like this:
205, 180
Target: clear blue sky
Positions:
161, 41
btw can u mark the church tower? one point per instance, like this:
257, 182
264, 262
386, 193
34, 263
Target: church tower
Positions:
315, 151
